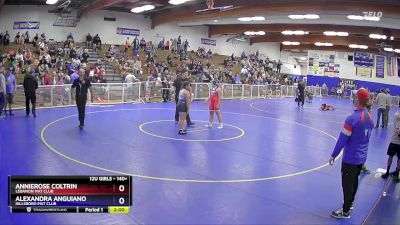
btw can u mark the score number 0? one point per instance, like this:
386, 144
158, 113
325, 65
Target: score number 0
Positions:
121, 200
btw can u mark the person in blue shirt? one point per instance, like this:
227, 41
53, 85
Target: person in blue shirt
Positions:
354, 139
10, 89
74, 76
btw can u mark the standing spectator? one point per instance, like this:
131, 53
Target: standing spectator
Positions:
143, 44
278, 66
6, 38
179, 44
388, 105
166, 90
82, 85
89, 39
96, 43
186, 46
30, 86
27, 37
354, 138
380, 101
126, 45
10, 90
2, 91
394, 149
74, 76
135, 45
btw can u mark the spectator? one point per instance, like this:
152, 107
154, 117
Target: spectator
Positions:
380, 101
166, 90
70, 38
10, 90
354, 139
85, 56
6, 38
27, 37
388, 105
143, 44
89, 39
3, 92
126, 45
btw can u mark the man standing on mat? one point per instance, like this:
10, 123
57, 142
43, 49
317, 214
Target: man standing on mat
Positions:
178, 86
30, 86
394, 149
380, 101
10, 90
82, 84
388, 105
300, 94
354, 138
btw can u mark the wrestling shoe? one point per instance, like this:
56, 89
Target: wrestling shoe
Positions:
220, 126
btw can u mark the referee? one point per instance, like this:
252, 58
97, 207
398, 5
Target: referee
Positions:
82, 85
354, 138
30, 86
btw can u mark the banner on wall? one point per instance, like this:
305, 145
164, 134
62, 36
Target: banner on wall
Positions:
364, 72
206, 41
128, 31
392, 66
26, 25
380, 66
323, 63
362, 59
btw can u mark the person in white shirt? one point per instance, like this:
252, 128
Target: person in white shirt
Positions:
380, 101
388, 105
129, 80
2, 91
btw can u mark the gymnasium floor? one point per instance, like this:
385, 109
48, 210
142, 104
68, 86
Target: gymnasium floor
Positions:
267, 166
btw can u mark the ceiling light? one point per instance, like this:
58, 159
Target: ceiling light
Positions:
291, 43
372, 18
355, 17
301, 17
334, 33
311, 16
397, 50
342, 34
326, 44
251, 33
51, 2
303, 58
358, 46
258, 18
388, 49
358, 17
377, 36
391, 38
296, 32
215, 21
178, 2
254, 18
143, 8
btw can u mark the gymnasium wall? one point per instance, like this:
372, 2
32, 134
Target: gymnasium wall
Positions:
94, 23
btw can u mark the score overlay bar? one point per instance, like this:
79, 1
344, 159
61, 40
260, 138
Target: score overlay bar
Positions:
79, 194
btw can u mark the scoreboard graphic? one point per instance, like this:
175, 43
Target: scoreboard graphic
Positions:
69, 194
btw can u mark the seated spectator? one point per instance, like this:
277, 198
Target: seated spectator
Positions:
16, 39
85, 56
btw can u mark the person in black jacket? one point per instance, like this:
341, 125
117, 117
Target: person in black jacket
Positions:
30, 86
301, 94
82, 85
